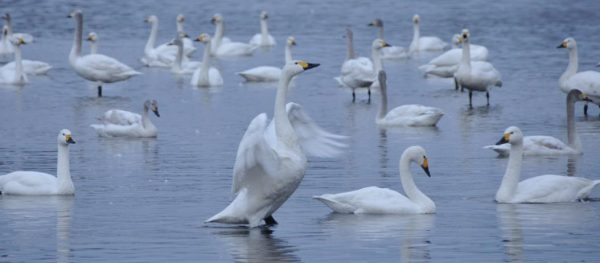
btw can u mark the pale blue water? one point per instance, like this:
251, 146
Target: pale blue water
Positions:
146, 200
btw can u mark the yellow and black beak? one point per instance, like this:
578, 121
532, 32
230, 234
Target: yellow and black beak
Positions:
585, 98
156, 112
504, 139
562, 45
21, 41
213, 20
307, 66
70, 139
385, 44
425, 166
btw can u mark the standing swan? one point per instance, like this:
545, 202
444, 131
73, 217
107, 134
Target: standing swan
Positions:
548, 145
446, 64
225, 48
475, 75
36, 183
420, 43
263, 39
95, 67
358, 73
188, 44
405, 115
586, 81
120, 123
391, 52
538, 189
375, 200
160, 56
14, 74
269, 73
271, 160
206, 75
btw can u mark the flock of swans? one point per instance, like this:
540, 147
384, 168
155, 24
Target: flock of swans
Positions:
272, 156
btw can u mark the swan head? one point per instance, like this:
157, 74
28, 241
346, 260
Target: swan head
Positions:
151, 19
418, 155
216, 19
298, 66
568, 43
577, 95
264, 15
456, 39
416, 19
153, 106
92, 37
379, 44
18, 41
464, 36
203, 38
291, 41
77, 13
65, 138
6, 17
180, 18
512, 135
376, 23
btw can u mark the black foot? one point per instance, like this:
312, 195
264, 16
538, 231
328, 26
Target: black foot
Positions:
99, 91
455, 84
353, 96
470, 99
585, 107
487, 96
270, 221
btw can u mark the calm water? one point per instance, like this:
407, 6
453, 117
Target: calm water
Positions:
146, 200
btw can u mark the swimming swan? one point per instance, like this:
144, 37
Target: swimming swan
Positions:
391, 52
37, 183
160, 56
120, 123
538, 189
14, 74
188, 44
223, 48
375, 200
182, 65
420, 43
206, 75
405, 115
271, 158
95, 67
6, 49
263, 39
269, 73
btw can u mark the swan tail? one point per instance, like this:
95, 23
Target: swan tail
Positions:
335, 205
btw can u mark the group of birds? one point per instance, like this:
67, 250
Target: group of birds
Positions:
272, 156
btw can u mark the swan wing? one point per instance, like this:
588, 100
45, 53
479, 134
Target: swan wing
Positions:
104, 68
235, 49
448, 58
393, 52
413, 115
550, 189
261, 73
587, 81
120, 117
358, 72
31, 67
484, 72
478, 53
431, 43
27, 183
215, 77
369, 200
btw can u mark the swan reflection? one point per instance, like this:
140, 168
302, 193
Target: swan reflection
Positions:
256, 245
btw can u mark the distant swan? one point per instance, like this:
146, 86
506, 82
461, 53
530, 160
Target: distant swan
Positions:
160, 56
263, 39
420, 43
181, 64
391, 52
206, 75
446, 64
6, 49
375, 200
222, 48
538, 189
95, 67
269, 73
120, 123
188, 44
14, 74
586, 81
405, 115
37, 183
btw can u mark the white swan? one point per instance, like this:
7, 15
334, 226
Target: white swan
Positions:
405, 115
29, 67
160, 56
6, 48
391, 52
181, 64
95, 67
206, 75
15, 74
420, 43
586, 81
222, 48
375, 200
188, 44
120, 123
446, 64
548, 145
269, 73
271, 160
538, 189
37, 183
93, 38
8, 22
475, 75
263, 39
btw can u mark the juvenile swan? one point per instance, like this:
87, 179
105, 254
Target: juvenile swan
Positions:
120, 123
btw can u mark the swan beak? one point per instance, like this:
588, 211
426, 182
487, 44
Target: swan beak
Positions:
385, 44
156, 113
504, 139
307, 66
70, 139
585, 98
213, 20
562, 45
425, 167
371, 24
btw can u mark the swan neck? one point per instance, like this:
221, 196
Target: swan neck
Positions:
283, 128
466, 54
205, 61
350, 50
63, 173
573, 65
93, 48
9, 25
180, 26
572, 137
288, 54
76, 49
510, 180
19, 75
219, 31
414, 45
152, 38
264, 32
376, 57
380, 34
179, 58
408, 183
383, 107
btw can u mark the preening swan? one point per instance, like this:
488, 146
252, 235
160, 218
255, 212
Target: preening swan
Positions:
206, 75
271, 158
269, 73
37, 183
223, 48
160, 56
475, 75
188, 44
375, 200
548, 145
446, 64
14, 74
120, 123
263, 39
420, 43
538, 189
586, 81
182, 65
93, 38
405, 115
95, 67
391, 52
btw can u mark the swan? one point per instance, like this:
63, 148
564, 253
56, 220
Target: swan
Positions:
446, 64
93, 38
405, 115
29, 67
120, 123
8, 22
271, 158
375, 200
6, 48
539, 189
15, 74
95, 67
269, 73
188, 44
420, 43
37, 183
391, 52
548, 145
206, 75
181, 64
475, 75
586, 81
160, 56
223, 48
263, 39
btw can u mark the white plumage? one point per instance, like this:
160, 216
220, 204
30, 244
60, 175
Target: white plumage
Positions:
161, 56
227, 48
269, 73
120, 123
391, 52
446, 64
206, 75
263, 38
587, 82
420, 43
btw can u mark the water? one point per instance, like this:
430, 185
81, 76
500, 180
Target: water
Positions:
146, 200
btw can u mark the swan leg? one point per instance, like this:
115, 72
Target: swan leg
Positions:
585, 108
369, 95
470, 98
455, 84
487, 96
353, 96
270, 221
99, 90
